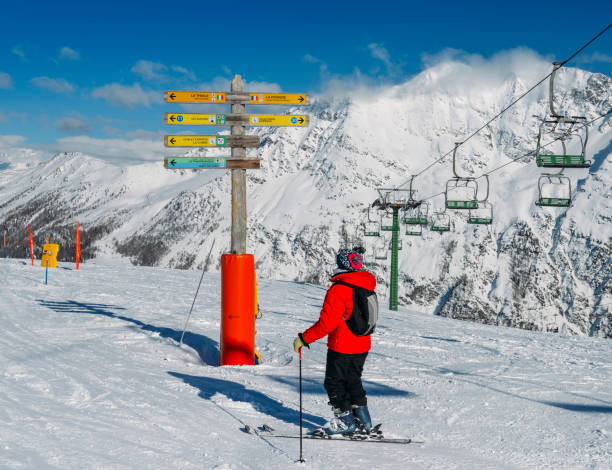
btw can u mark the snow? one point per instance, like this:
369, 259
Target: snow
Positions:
93, 377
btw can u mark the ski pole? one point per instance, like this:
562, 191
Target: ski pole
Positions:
195, 297
301, 458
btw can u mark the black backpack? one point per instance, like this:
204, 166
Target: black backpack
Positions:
362, 321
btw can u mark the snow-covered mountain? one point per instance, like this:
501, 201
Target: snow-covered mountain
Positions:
536, 268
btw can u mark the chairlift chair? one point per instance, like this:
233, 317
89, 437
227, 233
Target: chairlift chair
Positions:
460, 192
561, 184
380, 250
562, 160
414, 230
440, 222
372, 227
562, 126
483, 215
386, 222
417, 215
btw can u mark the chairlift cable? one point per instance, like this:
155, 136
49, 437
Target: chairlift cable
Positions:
512, 104
529, 154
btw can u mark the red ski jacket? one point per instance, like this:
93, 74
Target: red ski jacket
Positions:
337, 307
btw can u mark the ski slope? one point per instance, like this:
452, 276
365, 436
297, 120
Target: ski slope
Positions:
93, 377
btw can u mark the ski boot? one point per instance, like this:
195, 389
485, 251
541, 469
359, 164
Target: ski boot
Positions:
362, 418
343, 422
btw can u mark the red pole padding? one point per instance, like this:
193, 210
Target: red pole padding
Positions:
237, 310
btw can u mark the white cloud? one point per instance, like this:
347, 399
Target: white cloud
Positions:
595, 57
71, 125
114, 149
66, 53
378, 51
150, 71
155, 72
12, 149
56, 85
311, 59
129, 96
5, 81
144, 134
19, 52
185, 72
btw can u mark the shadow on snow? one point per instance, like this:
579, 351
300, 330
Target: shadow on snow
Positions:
261, 402
206, 348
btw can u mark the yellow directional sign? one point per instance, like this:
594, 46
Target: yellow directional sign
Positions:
211, 141
275, 120
278, 98
195, 97
194, 119
195, 141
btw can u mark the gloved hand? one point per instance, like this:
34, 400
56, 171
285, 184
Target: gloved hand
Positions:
299, 342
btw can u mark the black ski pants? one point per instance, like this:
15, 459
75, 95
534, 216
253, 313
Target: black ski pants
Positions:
343, 379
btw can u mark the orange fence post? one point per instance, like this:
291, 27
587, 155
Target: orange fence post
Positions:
237, 310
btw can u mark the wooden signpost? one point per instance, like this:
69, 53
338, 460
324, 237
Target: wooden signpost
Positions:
237, 267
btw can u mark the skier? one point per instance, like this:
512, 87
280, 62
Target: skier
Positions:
346, 353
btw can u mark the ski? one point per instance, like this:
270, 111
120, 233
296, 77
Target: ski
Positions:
267, 431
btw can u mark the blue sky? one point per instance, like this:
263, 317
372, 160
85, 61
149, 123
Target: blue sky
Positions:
75, 74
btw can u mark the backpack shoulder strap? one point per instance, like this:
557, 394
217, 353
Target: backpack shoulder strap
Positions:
344, 283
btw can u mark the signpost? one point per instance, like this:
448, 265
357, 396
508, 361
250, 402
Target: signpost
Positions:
237, 267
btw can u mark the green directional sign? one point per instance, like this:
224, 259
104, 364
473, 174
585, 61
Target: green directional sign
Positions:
179, 163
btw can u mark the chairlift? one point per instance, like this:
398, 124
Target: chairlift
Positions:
386, 222
561, 127
380, 250
394, 197
556, 185
417, 212
372, 227
440, 222
461, 192
414, 230
483, 215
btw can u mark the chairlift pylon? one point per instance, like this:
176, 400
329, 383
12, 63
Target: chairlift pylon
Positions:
459, 187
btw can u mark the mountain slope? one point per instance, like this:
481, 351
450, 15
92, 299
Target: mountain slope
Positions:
93, 377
